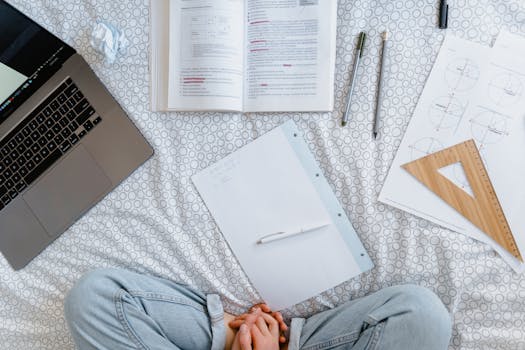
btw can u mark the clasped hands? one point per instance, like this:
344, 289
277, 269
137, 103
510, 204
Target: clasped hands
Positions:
259, 329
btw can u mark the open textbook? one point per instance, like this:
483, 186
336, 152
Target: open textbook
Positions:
243, 55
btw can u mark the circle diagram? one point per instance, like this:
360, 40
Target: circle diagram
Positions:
425, 146
462, 74
489, 127
446, 112
505, 89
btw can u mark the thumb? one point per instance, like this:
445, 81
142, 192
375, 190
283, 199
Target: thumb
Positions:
245, 339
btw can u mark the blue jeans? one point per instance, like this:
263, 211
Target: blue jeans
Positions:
117, 309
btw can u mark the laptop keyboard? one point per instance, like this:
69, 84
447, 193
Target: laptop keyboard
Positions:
51, 130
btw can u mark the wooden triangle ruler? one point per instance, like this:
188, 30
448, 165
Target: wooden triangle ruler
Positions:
483, 209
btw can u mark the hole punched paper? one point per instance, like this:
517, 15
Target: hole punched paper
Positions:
274, 184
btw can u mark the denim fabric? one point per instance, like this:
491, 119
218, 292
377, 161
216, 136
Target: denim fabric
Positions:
117, 309
402, 317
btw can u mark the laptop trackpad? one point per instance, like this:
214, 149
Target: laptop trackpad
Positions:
68, 190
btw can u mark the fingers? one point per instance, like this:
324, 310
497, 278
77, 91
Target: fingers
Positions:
272, 324
236, 323
252, 310
245, 318
282, 326
266, 330
261, 324
255, 332
240, 317
245, 339
277, 315
263, 306
261, 309
249, 319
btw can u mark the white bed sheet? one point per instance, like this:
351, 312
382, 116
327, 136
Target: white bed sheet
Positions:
156, 223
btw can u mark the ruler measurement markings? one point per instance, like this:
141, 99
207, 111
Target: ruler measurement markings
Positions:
479, 209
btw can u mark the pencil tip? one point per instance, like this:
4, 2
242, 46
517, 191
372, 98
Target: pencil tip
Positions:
375, 135
343, 123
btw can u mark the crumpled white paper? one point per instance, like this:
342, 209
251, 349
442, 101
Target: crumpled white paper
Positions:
109, 41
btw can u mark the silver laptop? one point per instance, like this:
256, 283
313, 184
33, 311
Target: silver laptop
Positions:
64, 141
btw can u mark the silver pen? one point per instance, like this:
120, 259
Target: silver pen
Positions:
379, 99
359, 54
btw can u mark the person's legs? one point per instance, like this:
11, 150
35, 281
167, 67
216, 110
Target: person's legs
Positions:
403, 317
117, 309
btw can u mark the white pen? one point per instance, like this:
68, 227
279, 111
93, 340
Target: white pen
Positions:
282, 235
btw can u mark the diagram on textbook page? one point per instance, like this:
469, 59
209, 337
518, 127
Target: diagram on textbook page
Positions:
473, 92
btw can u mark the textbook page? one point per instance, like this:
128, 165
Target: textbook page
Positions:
290, 55
206, 55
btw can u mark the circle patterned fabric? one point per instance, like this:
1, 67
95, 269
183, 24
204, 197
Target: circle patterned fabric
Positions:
156, 223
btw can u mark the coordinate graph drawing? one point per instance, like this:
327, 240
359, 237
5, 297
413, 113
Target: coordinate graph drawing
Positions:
505, 89
424, 147
462, 74
446, 112
489, 127
473, 92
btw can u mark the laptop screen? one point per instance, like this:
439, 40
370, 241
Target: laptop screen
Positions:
29, 56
